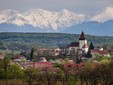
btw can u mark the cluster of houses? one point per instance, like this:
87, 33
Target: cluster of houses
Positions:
50, 51
80, 47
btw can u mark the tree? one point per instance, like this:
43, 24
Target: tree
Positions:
1, 72
30, 75
91, 47
61, 77
5, 64
89, 55
49, 77
15, 72
74, 56
85, 74
105, 73
31, 54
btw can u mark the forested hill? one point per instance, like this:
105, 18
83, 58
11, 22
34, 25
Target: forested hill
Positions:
25, 41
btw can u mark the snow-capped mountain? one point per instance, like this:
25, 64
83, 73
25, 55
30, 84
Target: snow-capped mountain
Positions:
12, 17
104, 16
43, 19
39, 20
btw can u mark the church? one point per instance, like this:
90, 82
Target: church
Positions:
81, 46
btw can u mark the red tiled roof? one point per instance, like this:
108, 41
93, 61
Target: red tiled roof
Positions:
18, 56
73, 65
102, 52
42, 64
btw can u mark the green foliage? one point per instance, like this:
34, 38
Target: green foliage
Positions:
25, 41
8, 70
31, 75
2, 73
4, 65
91, 47
89, 55
97, 74
15, 72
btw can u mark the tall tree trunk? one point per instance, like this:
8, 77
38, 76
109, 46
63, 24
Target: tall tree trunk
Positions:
6, 76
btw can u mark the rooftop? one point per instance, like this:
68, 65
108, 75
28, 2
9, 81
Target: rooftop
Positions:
82, 36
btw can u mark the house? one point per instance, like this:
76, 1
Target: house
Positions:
51, 52
27, 64
100, 52
42, 65
18, 58
80, 47
42, 59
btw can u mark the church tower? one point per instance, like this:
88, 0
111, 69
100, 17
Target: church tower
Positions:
83, 43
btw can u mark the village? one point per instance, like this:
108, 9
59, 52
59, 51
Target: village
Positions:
76, 50
72, 58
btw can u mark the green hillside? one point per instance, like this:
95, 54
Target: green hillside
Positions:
25, 41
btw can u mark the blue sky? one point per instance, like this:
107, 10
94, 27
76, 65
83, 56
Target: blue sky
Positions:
79, 6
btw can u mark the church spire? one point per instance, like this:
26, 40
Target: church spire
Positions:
82, 36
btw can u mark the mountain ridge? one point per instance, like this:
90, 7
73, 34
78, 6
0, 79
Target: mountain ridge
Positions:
39, 20
92, 28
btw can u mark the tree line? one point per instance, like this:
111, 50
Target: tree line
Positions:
25, 41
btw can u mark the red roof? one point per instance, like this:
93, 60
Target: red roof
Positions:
102, 52
73, 65
82, 36
18, 56
73, 68
42, 64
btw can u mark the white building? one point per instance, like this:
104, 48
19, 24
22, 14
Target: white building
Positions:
81, 46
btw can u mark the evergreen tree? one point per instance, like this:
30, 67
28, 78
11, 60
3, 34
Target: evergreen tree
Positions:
31, 54
89, 55
91, 47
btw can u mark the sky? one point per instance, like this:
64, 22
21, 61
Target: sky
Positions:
78, 6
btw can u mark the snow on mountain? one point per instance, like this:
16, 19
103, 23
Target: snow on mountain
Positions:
43, 19
105, 15
49, 21
11, 16
55, 20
